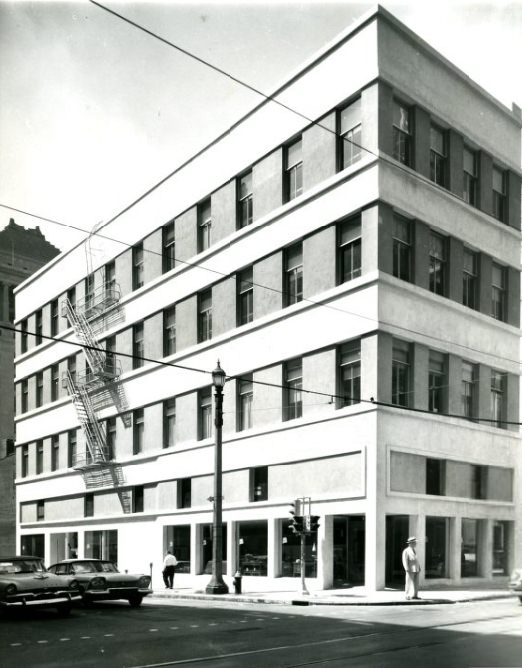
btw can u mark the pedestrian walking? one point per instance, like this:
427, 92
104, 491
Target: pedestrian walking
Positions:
412, 569
169, 566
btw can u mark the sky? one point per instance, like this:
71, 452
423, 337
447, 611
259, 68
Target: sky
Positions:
93, 112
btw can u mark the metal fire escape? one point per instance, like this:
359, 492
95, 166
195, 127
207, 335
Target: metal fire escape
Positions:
94, 389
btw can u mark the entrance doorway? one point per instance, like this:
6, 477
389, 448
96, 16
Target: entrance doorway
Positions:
397, 527
349, 549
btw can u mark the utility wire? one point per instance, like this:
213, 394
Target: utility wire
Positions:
330, 395
197, 265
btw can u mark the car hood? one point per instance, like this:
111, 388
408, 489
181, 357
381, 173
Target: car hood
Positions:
30, 581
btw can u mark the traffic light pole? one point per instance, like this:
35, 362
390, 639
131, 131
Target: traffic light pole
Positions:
304, 590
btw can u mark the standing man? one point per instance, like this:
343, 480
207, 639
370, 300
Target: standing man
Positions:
169, 564
412, 568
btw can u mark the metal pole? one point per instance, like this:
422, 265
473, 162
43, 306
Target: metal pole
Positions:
304, 590
217, 585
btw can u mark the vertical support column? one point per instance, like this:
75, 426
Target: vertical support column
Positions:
47, 546
231, 551
325, 552
375, 548
195, 550
513, 194
513, 297
485, 194
273, 547
81, 544
420, 533
454, 549
455, 158
484, 392
420, 377
454, 384
421, 142
456, 265
485, 269
385, 238
485, 548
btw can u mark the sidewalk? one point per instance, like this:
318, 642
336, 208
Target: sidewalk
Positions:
351, 596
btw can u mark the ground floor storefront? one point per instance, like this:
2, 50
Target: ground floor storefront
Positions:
343, 552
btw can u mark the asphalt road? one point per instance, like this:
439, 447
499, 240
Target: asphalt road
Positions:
221, 635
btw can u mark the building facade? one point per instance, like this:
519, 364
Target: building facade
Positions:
355, 267
22, 252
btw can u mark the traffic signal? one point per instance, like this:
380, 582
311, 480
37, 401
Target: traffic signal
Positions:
314, 522
296, 521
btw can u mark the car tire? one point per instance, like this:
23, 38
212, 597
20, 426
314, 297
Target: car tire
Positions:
135, 601
520, 599
64, 609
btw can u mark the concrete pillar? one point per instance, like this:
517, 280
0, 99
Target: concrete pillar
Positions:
223, 203
485, 548
273, 548
375, 549
385, 238
81, 544
485, 269
319, 275
420, 377
485, 190
513, 197
421, 141
384, 367
268, 272
195, 546
454, 550
186, 323
153, 261
199, 566
369, 366
267, 183
319, 151
370, 240
512, 400
418, 524
232, 547
513, 297
224, 306
421, 256
455, 269
370, 119
454, 375
484, 392
385, 101
455, 162
186, 234
325, 552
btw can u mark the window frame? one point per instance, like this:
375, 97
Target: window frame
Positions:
498, 293
438, 266
349, 363
439, 157
138, 430
138, 266
402, 137
169, 422
293, 170
169, 331
349, 250
499, 197
350, 137
470, 280
402, 263
205, 315
245, 296
470, 178
204, 220
292, 389
293, 274
245, 200
168, 245
402, 370
245, 399
138, 345
205, 413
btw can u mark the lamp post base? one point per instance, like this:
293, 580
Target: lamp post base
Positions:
216, 587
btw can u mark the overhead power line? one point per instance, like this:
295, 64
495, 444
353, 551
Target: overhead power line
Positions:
280, 386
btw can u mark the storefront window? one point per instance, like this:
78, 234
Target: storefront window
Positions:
63, 546
206, 548
178, 542
33, 545
436, 547
253, 547
291, 553
500, 548
102, 545
469, 550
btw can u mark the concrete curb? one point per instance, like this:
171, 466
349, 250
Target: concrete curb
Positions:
315, 600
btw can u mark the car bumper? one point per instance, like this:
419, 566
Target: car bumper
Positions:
25, 600
114, 593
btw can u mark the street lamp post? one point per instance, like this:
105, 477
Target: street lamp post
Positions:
217, 585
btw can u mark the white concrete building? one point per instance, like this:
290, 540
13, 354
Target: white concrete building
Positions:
365, 248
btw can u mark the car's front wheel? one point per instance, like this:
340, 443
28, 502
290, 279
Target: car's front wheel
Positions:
520, 599
135, 601
64, 609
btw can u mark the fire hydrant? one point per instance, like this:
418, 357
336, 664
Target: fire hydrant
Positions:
237, 582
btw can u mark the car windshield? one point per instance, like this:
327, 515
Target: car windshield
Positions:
21, 566
94, 567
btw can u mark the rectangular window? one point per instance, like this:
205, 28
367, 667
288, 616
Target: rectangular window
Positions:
245, 200
110, 278
468, 391
71, 368
402, 133
500, 547
23, 336
438, 155
88, 505
38, 327
169, 423
72, 448
437, 382
138, 429
437, 541
437, 267
55, 452
293, 274
138, 346
102, 545
54, 317
470, 279
245, 296
245, 396
184, 493
205, 316
293, 383
25, 461
137, 266
479, 482
498, 405
71, 298
169, 331
402, 248
499, 195
137, 499
349, 249
110, 437
349, 371
469, 548
350, 134
401, 374
39, 456
469, 193
40, 511
498, 292
435, 476
39, 389
293, 177
55, 382
204, 225
24, 396
89, 291
110, 358
259, 483
205, 413
169, 246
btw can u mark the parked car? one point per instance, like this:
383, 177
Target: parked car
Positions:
25, 582
515, 582
100, 580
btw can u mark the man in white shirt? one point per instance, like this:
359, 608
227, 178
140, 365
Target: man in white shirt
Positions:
169, 564
412, 568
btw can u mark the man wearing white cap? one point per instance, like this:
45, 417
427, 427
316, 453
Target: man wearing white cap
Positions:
412, 568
